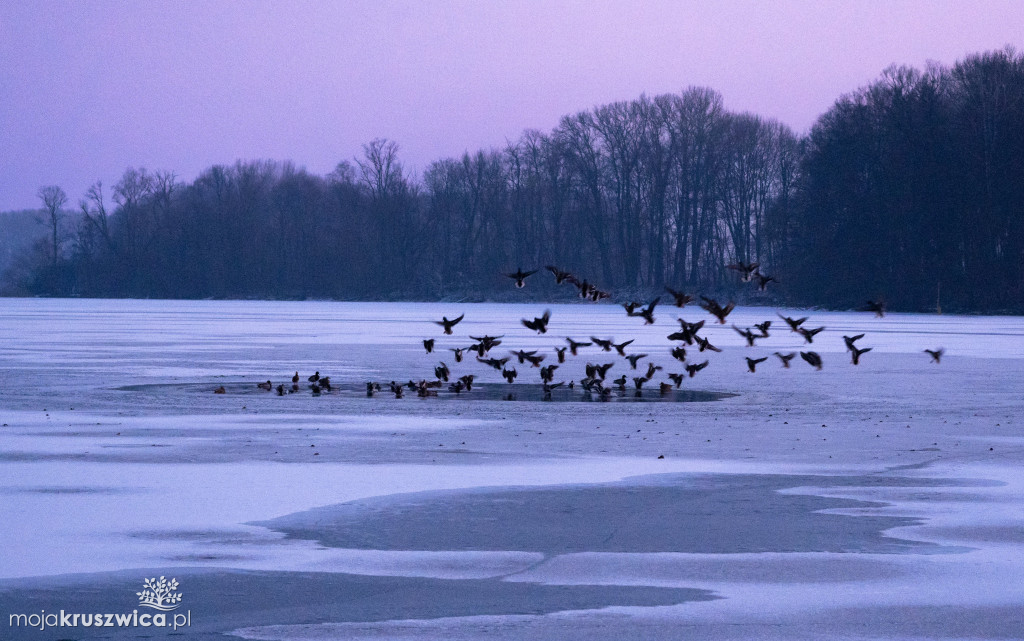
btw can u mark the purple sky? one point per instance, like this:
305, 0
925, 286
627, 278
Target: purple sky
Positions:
88, 88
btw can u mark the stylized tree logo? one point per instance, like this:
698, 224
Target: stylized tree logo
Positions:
160, 595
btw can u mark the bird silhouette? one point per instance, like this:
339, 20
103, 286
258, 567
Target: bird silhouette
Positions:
547, 374
747, 334
280, 390
785, 358
621, 347
520, 277
876, 306
813, 359
677, 379
539, 324
620, 382
850, 340
631, 307
509, 374
560, 276
295, 379
314, 378
936, 354
693, 368
574, 345
648, 312
522, 355
428, 344
794, 323
535, 360
681, 299
442, 372
496, 363
561, 353
763, 328
763, 280
633, 358
467, 380
705, 344
606, 345
267, 386
856, 353
458, 353
808, 334
679, 353
449, 324
665, 388
752, 363
651, 369
746, 270
713, 307
325, 383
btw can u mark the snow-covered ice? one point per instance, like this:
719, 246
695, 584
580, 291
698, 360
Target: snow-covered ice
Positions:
117, 456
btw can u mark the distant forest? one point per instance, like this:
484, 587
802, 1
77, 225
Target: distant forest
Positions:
906, 190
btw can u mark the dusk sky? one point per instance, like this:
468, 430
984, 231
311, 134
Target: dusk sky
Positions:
88, 88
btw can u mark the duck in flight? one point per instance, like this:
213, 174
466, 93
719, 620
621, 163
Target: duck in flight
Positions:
746, 270
449, 324
936, 354
520, 277
693, 368
785, 358
539, 324
681, 299
574, 346
752, 363
713, 307
794, 323
855, 354
813, 359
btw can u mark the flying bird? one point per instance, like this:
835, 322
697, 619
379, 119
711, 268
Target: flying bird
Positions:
813, 359
785, 358
693, 368
704, 344
679, 353
936, 354
746, 270
763, 328
681, 299
856, 353
716, 309
621, 347
449, 324
633, 358
561, 353
540, 324
747, 334
850, 340
752, 363
606, 345
677, 379
808, 334
648, 312
458, 353
509, 374
428, 344
560, 276
763, 280
794, 323
520, 277
876, 306
574, 346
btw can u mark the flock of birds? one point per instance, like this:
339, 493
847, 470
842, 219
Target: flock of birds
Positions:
596, 380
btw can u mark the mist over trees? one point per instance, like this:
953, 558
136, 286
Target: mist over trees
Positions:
905, 186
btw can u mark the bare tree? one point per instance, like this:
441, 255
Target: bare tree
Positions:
54, 199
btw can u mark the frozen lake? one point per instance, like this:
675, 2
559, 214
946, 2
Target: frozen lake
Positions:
882, 500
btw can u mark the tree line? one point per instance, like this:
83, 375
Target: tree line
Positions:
907, 189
